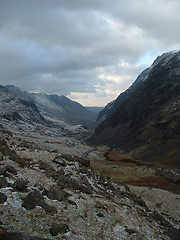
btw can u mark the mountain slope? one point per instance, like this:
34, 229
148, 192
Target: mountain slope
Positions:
146, 121
57, 107
14, 108
62, 108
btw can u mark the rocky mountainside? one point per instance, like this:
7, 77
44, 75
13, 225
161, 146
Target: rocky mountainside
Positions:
144, 120
54, 107
63, 108
13, 108
49, 191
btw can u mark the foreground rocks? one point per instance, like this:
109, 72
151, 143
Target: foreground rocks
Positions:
57, 196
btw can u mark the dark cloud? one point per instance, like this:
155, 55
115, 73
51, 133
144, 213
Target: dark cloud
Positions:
85, 47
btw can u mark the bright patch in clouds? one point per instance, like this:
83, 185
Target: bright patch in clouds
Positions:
90, 51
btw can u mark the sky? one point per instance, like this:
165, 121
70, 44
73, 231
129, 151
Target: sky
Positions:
87, 50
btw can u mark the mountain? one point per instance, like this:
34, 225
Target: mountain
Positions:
18, 92
56, 107
14, 108
63, 108
95, 109
144, 120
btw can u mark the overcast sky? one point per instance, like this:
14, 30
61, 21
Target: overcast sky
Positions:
88, 50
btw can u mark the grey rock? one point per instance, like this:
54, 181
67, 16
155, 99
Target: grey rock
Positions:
3, 182
34, 199
57, 194
59, 228
84, 162
60, 161
99, 214
20, 184
3, 197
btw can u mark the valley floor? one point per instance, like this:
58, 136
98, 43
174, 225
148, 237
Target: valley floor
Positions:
54, 186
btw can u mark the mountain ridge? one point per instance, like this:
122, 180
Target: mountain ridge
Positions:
145, 122
57, 107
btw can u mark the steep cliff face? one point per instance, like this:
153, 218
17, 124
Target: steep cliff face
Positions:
146, 121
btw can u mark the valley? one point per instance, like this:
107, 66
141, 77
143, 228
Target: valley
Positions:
65, 175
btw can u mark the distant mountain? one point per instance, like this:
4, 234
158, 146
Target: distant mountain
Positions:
61, 107
57, 107
95, 109
14, 108
144, 120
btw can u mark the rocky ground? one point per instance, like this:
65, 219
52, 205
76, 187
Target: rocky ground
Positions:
51, 187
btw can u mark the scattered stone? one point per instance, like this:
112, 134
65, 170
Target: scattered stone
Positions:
20, 184
60, 161
63, 181
23, 162
3, 182
59, 228
67, 157
4, 148
2, 171
25, 144
49, 170
72, 202
34, 199
139, 201
130, 231
57, 194
3, 197
86, 182
12, 236
99, 214
54, 151
84, 162
101, 180
10, 169
83, 169
60, 172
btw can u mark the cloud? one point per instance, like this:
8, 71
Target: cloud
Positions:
88, 50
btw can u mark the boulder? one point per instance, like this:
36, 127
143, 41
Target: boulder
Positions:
20, 184
3, 197
57, 193
59, 228
3, 182
84, 162
34, 199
